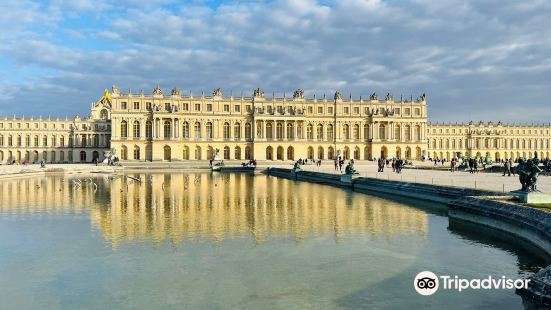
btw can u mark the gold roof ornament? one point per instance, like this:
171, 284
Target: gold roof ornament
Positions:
106, 99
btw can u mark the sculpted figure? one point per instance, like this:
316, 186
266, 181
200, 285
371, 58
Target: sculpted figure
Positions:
115, 90
157, 91
388, 97
217, 92
299, 94
349, 169
338, 96
258, 93
175, 92
528, 172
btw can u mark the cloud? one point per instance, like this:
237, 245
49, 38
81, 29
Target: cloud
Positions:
486, 60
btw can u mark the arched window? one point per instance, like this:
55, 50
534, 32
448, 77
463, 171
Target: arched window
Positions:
136, 129
136, 152
290, 130
209, 131
227, 132
167, 130
367, 133
382, 131
269, 130
398, 132
185, 130
197, 130
237, 130
226, 152
407, 133
356, 132
319, 132
330, 131
124, 129
104, 114
346, 132
237, 152
279, 131
248, 131
310, 132
148, 130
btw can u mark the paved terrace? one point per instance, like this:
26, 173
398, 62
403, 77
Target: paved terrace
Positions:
435, 175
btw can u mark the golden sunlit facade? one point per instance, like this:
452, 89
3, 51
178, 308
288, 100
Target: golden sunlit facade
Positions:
181, 127
181, 207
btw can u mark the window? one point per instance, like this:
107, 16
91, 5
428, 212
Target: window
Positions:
346, 110
185, 130
356, 110
123, 105
136, 105
209, 130
417, 111
136, 129
148, 130
320, 110
197, 107
124, 129
209, 107
406, 111
185, 106
330, 110
167, 130
237, 108
167, 106
248, 108
310, 110
197, 128
397, 111
226, 130
148, 106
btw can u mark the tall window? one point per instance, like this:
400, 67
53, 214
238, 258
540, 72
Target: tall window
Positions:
227, 132
356, 132
148, 130
269, 130
197, 130
310, 132
248, 131
346, 131
319, 132
167, 130
279, 131
382, 132
237, 130
136, 129
290, 131
124, 129
185, 130
397, 132
330, 132
210, 134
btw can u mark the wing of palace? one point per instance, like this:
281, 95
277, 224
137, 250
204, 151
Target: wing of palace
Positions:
177, 126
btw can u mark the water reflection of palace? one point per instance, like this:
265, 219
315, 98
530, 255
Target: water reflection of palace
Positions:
198, 206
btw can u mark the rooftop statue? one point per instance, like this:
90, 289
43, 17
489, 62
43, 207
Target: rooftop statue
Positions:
388, 97
299, 94
528, 172
175, 92
423, 97
157, 91
258, 93
338, 96
373, 96
115, 90
217, 92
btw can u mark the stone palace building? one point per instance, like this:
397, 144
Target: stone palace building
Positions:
175, 127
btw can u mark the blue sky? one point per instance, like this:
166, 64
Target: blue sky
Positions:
476, 60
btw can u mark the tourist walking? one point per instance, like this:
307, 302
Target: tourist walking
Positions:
506, 168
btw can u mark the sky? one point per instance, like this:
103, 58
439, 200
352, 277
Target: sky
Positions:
486, 60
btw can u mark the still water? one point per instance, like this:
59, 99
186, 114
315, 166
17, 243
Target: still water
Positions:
236, 241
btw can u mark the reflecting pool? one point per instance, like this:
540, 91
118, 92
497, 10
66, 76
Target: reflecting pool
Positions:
236, 241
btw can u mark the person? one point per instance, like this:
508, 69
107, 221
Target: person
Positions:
341, 163
336, 165
511, 166
393, 164
475, 166
506, 168
452, 165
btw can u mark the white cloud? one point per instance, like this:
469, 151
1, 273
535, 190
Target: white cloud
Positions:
464, 54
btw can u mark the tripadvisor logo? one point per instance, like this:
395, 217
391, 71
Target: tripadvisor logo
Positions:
427, 283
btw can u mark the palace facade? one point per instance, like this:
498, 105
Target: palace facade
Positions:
176, 126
